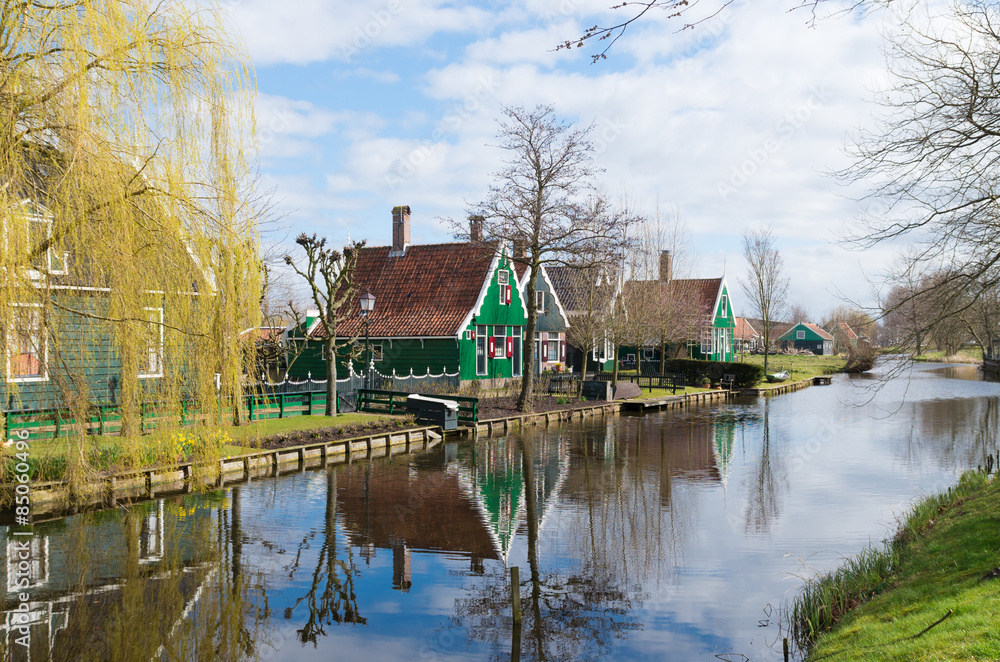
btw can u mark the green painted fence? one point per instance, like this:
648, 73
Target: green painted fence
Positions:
106, 419
394, 402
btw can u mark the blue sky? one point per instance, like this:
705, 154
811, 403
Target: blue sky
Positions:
374, 103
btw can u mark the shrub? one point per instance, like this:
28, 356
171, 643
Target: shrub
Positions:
747, 374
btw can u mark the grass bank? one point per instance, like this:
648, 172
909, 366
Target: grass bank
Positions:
964, 355
888, 602
801, 367
48, 457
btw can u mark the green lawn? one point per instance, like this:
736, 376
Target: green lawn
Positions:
109, 453
945, 568
800, 367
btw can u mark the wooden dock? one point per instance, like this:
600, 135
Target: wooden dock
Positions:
822, 380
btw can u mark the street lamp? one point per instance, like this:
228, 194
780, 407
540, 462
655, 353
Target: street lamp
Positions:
367, 306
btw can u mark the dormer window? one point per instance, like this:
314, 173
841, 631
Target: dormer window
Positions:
724, 308
540, 301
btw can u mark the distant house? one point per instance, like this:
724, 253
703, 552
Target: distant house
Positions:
439, 308
844, 336
586, 294
552, 320
806, 336
745, 337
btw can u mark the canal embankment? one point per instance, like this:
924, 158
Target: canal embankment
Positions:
930, 593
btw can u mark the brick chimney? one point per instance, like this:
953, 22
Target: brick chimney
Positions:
476, 228
666, 267
400, 230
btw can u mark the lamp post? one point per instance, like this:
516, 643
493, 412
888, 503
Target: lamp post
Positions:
367, 306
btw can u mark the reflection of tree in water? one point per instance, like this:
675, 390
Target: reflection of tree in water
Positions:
331, 597
958, 433
150, 581
566, 615
768, 482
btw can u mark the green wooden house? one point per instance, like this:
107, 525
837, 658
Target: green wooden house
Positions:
449, 309
59, 344
551, 323
806, 336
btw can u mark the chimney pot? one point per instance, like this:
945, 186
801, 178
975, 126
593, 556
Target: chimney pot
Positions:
400, 230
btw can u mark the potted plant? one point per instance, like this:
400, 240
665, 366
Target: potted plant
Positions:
705, 382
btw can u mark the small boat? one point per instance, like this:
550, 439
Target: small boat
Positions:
778, 376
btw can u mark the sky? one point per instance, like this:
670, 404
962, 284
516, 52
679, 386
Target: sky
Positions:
734, 124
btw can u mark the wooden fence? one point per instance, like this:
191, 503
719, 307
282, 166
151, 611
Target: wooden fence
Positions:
394, 402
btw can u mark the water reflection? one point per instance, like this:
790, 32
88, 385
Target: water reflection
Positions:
146, 582
663, 536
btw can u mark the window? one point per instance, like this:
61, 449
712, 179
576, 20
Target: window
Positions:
151, 536
376, 353
480, 350
52, 261
647, 353
517, 359
151, 364
554, 350
28, 346
800, 335
540, 301
724, 307
706, 343
503, 277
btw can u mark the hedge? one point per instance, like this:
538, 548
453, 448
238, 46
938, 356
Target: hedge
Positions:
747, 375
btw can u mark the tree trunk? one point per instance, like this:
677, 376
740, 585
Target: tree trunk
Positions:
614, 367
583, 375
526, 399
330, 355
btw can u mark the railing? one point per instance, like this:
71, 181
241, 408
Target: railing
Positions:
394, 402
669, 381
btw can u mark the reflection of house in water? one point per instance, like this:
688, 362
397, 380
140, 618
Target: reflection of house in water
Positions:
73, 572
496, 479
388, 506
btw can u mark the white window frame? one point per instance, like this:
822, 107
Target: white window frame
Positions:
516, 356
482, 342
377, 353
540, 301
503, 277
648, 353
39, 562
158, 372
44, 337
553, 342
151, 536
706, 343
33, 272
725, 306
800, 334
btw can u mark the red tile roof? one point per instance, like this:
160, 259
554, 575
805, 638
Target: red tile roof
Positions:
744, 330
818, 330
427, 292
848, 331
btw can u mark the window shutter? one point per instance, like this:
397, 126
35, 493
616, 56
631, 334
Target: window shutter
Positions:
492, 349
562, 350
545, 351
508, 295
510, 347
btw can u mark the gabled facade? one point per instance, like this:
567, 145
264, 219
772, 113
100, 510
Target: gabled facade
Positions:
582, 294
439, 308
551, 323
810, 337
745, 337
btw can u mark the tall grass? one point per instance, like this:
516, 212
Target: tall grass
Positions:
825, 599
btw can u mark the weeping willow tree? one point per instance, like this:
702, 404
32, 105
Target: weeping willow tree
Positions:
130, 238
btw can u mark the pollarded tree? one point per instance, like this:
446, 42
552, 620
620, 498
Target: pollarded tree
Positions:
330, 276
129, 233
539, 202
766, 285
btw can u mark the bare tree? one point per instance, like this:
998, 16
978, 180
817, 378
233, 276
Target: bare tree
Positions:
330, 276
933, 162
798, 313
539, 202
766, 285
681, 10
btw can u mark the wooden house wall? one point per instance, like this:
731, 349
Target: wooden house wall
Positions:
492, 313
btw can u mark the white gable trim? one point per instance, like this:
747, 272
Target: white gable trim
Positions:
494, 265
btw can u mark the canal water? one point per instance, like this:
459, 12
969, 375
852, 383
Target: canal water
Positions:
677, 535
